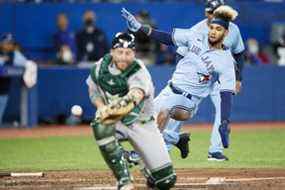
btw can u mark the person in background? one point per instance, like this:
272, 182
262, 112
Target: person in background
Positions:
255, 55
10, 56
166, 55
91, 41
146, 47
64, 42
279, 49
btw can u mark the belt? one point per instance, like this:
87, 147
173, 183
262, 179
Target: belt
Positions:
179, 91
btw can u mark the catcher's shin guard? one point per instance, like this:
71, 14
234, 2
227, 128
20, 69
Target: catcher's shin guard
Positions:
162, 179
112, 152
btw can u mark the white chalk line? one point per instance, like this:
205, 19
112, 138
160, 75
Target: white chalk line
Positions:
210, 181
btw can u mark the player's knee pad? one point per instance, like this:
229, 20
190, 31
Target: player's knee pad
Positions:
106, 140
180, 113
101, 131
162, 179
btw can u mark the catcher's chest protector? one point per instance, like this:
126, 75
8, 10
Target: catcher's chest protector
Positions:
113, 84
117, 84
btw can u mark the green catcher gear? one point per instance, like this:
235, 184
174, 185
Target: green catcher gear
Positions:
113, 84
161, 179
116, 85
112, 152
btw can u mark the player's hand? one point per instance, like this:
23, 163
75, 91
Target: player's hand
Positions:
114, 111
132, 23
238, 87
101, 113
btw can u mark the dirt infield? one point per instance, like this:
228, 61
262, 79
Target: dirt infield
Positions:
196, 179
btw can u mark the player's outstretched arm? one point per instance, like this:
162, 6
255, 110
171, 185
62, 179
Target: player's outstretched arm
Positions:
135, 26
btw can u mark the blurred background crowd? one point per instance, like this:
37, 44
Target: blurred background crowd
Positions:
89, 42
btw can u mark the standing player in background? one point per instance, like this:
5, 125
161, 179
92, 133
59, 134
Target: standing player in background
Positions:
91, 41
180, 38
122, 90
10, 56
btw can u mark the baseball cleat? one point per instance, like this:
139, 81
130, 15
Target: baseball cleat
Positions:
217, 156
132, 157
183, 144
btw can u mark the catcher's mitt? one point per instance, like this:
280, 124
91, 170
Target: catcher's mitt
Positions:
114, 111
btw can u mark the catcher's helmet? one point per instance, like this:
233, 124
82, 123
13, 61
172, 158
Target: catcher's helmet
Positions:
211, 5
123, 40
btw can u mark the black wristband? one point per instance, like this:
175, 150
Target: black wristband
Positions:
146, 29
238, 74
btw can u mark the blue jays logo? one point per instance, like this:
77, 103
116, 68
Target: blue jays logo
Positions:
204, 78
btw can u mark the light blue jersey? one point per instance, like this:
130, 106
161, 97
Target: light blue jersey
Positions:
222, 62
196, 72
233, 40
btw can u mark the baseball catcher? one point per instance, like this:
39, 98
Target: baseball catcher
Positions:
122, 90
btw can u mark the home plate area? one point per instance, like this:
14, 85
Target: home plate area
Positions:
196, 179
215, 183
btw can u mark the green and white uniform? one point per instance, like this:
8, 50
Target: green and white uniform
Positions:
108, 82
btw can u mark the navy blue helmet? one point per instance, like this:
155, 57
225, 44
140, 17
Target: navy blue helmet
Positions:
211, 5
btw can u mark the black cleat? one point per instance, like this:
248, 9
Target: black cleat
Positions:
183, 145
217, 156
150, 183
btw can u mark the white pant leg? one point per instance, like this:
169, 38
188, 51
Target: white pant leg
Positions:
171, 133
148, 142
166, 100
216, 142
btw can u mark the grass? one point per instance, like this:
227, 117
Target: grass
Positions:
260, 148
